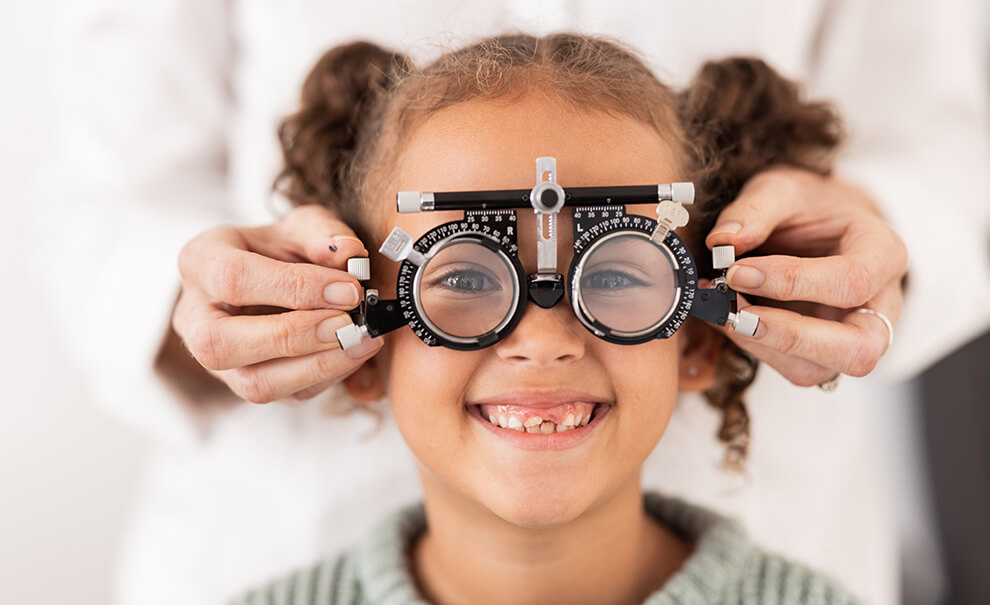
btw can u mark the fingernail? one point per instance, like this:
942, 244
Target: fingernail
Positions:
341, 294
728, 227
746, 278
326, 331
761, 330
367, 347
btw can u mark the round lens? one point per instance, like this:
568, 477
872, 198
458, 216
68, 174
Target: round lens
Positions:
627, 283
467, 289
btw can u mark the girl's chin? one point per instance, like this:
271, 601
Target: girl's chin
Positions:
535, 503
532, 518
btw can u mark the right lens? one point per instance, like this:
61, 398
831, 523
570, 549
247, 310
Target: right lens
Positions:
627, 283
467, 289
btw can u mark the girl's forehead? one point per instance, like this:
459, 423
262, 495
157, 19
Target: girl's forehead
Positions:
493, 144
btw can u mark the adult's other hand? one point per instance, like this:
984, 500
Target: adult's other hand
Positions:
260, 306
819, 248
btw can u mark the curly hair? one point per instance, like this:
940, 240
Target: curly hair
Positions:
737, 118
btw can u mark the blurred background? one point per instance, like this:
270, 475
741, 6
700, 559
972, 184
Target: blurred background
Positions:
68, 472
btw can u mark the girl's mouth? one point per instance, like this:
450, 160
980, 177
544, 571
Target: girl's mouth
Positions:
556, 419
541, 427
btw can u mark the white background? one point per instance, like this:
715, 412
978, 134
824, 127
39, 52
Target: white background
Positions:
67, 472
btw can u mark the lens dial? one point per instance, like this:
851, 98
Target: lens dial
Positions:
466, 295
624, 287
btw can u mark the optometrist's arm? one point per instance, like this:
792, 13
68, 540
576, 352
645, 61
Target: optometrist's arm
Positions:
260, 307
821, 248
917, 113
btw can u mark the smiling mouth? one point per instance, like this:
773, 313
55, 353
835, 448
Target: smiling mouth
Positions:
558, 418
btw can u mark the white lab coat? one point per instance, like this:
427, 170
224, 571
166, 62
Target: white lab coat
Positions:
168, 128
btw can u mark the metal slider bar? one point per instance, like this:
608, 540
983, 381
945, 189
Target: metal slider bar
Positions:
415, 201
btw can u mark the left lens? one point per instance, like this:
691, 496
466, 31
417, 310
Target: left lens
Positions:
467, 289
627, 283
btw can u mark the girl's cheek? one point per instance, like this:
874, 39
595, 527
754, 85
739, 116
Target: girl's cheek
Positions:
644, 376
411, 367
396, 366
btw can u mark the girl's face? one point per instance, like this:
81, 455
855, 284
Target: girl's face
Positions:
549, 367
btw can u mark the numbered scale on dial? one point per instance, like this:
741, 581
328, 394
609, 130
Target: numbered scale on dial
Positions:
623, 286
465, 294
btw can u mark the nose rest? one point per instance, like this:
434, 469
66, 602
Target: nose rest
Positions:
545, 289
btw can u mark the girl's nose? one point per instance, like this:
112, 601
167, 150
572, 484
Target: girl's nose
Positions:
544, 337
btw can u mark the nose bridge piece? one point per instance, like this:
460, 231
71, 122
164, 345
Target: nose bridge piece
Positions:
545, 289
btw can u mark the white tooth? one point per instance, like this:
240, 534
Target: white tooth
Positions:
533, 421
547, 427
492, 419
564, 427
514, 422
570, 420
503, 422
532, 429
577, 420
585, 421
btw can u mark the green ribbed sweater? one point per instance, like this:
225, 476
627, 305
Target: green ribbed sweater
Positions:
724, 568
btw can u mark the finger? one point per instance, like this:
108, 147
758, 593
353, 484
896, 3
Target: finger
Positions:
798, 371
765, 202
309, 233
313, 391
217, 262
887, 302
851, 347
233, 342
365, 381
321, 237
192, 307
277, 379
870, 260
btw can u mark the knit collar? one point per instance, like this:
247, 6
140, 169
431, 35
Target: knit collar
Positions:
721, 550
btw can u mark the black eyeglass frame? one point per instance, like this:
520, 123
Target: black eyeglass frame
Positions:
490, 220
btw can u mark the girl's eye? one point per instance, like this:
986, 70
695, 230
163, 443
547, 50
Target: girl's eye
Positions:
610, 281
467, 281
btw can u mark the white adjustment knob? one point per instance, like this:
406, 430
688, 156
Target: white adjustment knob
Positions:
407, 202
359, 267
744, 322
682, 193
723, 256
398, 246
351, 336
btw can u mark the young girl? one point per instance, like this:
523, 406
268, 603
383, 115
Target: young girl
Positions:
557, 516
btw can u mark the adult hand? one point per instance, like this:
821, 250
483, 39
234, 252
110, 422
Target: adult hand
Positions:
820, 248
260, 306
